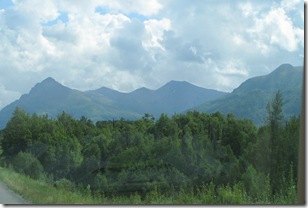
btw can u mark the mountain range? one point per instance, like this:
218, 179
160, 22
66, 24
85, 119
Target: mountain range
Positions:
247, 101
51, 98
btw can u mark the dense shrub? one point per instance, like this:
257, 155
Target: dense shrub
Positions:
27, 164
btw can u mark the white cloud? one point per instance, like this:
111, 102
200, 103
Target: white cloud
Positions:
247, 9
277, 28
134, 43
155, 30
233, 68
291, 4
35, 11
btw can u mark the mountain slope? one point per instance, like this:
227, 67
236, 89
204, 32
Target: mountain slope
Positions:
50, 97
182, 96
249, 100
285, 77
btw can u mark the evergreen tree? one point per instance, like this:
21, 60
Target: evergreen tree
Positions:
275, 121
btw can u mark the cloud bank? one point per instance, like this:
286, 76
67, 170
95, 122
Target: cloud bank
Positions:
125, 45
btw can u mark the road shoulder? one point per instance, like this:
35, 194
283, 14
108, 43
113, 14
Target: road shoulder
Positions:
7, 196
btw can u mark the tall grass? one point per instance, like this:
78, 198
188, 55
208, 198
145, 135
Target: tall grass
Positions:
41, 192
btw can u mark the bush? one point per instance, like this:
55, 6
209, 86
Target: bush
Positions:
64, 184
27, 164
135, 199
207, 194
234, 195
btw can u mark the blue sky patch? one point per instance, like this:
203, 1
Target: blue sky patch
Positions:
6, 4
137, 16
62, 17
102, 10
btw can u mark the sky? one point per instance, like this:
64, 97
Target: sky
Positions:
128, 44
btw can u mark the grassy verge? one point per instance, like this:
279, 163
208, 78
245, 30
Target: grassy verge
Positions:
39, 192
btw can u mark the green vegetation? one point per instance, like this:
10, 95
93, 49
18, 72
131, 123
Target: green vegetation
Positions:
196, 158
40, 192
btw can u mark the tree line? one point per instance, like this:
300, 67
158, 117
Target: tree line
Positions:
167, 155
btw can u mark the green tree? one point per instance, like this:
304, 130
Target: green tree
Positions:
17, 135
292, 139
275, 116
275, 121
262, 151
165, 127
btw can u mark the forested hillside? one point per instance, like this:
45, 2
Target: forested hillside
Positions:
250, 98
205, 158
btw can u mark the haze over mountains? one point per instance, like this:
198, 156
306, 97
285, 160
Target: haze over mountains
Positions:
247, 101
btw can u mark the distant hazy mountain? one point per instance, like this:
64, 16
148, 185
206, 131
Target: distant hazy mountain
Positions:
249, 100
50, 97
174, 97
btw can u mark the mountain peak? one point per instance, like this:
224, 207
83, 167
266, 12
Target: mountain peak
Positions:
142, 90
108, 92
49, 79
283, 68
177, 82
47, 86
283, 77
286, 65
